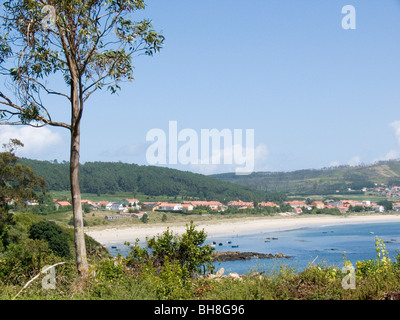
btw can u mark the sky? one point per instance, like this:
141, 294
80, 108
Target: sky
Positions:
315, 94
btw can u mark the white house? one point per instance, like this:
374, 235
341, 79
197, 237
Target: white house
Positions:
105, 204
32, 203
119, 206
187, 207
378, 208
132, 203
170, 207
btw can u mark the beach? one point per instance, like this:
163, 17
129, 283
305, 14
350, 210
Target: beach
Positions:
233, 227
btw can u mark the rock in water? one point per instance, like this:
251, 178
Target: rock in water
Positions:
236, 256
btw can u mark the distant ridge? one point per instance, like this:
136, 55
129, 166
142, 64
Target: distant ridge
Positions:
110, 177
321, 181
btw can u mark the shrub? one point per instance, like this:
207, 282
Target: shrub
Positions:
145, 218
187, 250
54, 235
174, 283
23, 260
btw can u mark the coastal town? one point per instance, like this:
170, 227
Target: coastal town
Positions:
136, 209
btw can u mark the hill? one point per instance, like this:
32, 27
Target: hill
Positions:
106, 177
322, 181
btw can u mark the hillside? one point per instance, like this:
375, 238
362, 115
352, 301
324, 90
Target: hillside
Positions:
101, 178
323, 181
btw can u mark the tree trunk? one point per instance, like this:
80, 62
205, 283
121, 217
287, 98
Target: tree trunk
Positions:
79, 235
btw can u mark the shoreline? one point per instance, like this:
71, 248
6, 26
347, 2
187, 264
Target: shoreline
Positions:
234, 227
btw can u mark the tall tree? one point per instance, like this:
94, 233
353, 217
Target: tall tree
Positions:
90, 45
17, 183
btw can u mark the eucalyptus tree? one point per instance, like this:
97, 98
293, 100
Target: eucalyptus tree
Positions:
90, 45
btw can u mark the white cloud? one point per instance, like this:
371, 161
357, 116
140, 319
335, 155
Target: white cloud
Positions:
396, 127
36, 140
247, 160
334, 164
355, 161
391, 155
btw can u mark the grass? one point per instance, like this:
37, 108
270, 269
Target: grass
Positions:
314, 283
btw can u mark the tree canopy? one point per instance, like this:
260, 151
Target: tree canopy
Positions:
91, 43
107, 177
17, 183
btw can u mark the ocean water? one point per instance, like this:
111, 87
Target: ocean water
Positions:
325, 245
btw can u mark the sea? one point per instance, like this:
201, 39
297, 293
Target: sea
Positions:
322, 245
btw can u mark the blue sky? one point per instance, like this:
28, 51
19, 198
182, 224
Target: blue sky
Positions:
315, 94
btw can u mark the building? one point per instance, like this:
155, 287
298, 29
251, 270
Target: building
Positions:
150, 206
132, 203
213, 205
119, 206
113, 217
378, 208
32, 203
297, 210
297, 204
187, 207
268, 204
164, 206
62, 204
135, 215
105, 205
90, 204
241, 205
318, 204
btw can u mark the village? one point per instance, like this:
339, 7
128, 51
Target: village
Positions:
384, 191
136, 209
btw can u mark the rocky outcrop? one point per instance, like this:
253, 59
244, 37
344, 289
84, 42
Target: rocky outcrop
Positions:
237, 256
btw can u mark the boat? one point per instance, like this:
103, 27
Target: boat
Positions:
235, 246
220, 244
113, 247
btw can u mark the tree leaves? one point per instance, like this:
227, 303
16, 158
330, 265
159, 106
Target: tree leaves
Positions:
17, 181
96, 39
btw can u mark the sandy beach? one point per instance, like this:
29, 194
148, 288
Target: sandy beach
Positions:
235, 226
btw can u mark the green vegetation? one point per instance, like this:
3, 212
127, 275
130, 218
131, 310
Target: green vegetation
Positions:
99, 178
174, 267
33, 243
54, 235
325, 181
167, 267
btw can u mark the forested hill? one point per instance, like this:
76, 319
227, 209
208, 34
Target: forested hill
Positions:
323, 181
106, 178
